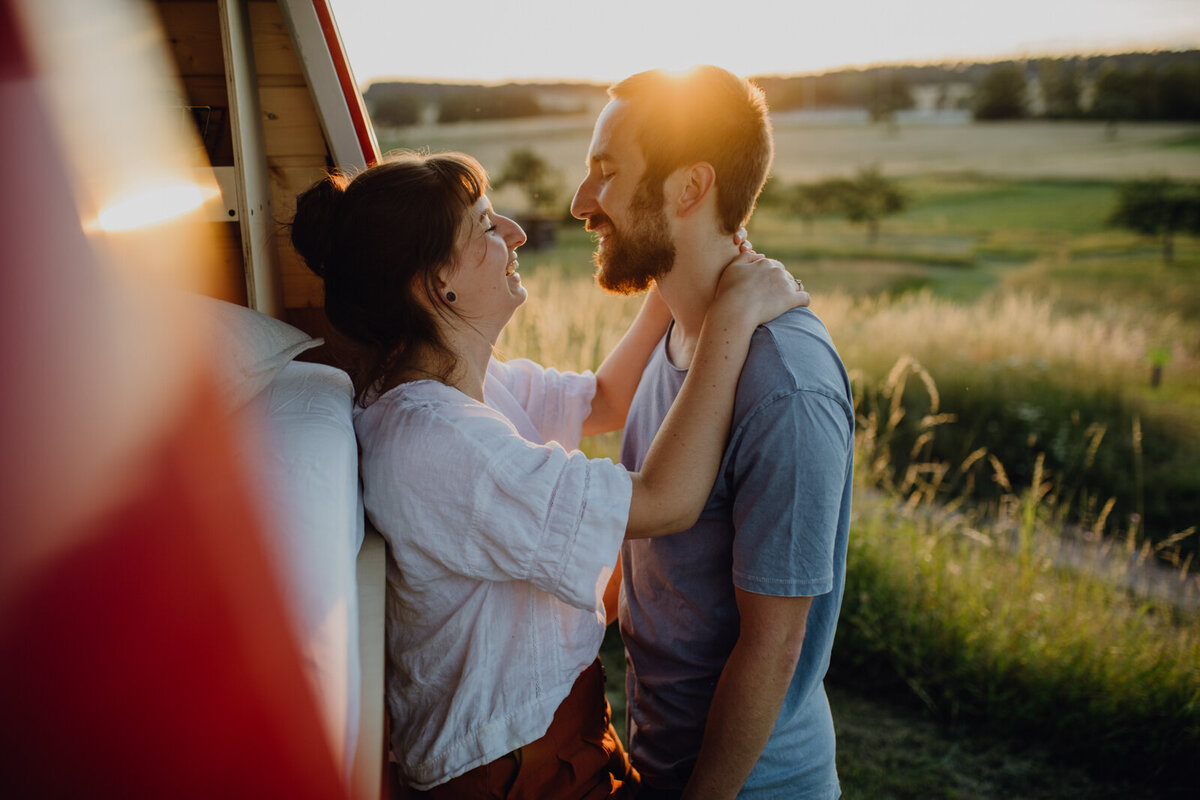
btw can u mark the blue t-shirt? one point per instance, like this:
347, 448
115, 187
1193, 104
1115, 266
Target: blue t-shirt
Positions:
776, 523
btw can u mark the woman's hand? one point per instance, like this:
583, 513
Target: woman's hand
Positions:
740, 238
758, 289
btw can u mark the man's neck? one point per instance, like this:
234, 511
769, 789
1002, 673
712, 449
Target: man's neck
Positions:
689, 288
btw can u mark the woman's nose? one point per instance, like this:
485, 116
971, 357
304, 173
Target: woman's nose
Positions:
515, 236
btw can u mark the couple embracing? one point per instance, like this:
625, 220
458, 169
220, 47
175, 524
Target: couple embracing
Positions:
720, 538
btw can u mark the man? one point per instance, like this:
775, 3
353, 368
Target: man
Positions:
727, 626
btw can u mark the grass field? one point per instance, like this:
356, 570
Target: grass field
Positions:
1061, 150
1019, 478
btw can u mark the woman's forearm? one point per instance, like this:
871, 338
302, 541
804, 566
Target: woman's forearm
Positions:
617, 378
682, 462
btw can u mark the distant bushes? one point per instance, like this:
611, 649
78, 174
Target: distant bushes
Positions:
866, 197
1130, 86
982, 431
479, 103
398, 103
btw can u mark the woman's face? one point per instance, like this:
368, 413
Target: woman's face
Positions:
484, 277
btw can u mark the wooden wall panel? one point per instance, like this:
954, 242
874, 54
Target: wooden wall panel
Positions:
290, 123
194, 32
273, 50
293, 142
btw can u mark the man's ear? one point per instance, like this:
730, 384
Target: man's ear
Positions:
688, 187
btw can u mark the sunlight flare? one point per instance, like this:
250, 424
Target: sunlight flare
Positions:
154, 205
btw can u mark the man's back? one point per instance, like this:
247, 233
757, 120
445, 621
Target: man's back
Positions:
776, 524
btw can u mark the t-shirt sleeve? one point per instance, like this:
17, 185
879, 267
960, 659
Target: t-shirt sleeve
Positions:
789, 466
557, 402
475, 497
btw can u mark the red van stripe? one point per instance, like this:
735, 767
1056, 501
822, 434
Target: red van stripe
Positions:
358, 113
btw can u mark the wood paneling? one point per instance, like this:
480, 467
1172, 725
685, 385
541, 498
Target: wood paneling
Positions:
294, 151
290, 123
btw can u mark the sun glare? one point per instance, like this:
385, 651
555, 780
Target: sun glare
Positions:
153, 206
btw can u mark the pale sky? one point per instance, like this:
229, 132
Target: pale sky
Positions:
486, 41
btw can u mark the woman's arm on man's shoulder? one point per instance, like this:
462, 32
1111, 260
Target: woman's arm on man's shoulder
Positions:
617, 378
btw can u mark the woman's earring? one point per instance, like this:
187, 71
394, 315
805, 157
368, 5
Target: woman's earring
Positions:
451, 297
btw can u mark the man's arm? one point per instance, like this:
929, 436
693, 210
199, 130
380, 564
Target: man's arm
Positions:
750, 693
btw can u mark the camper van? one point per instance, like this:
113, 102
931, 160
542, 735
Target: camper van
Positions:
191, 604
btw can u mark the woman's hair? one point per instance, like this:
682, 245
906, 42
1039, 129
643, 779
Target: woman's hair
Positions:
373, 239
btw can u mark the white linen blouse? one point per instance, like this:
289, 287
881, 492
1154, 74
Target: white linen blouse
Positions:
502, 536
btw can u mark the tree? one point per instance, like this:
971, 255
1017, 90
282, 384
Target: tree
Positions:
488, 102
1114, 98
1179, 92
810, 200
1060, 87
868, 198
1002, 93
891, 92
395, 109
531, 173
542, 186
1158, 207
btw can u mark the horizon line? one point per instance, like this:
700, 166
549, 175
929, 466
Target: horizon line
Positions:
948, 61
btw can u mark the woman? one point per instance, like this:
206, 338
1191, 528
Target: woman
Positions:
501, 544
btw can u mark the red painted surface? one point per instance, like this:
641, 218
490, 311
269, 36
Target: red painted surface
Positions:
358, 112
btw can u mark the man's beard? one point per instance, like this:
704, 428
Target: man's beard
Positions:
634, 258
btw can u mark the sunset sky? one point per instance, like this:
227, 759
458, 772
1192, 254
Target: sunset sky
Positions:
478, 41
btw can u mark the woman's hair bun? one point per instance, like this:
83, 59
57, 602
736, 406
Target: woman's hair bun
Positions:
315, 222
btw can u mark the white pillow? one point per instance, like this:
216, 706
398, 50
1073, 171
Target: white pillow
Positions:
249, 348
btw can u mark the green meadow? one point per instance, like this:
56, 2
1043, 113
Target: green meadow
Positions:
1022, 610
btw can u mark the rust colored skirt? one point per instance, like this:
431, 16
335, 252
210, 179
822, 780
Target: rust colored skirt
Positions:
579, 758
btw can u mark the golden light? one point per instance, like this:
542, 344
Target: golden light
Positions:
153, 206
136, 164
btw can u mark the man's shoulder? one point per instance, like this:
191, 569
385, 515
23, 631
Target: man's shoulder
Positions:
799, 328
793, 352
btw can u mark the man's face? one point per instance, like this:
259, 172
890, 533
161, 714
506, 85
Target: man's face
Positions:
634, 243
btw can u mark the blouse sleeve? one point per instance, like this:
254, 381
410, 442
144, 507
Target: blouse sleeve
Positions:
473, 496
557, 402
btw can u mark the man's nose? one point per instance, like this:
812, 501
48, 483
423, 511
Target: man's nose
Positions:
584, 202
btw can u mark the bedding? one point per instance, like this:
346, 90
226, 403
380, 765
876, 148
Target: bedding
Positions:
299, 446
249, 348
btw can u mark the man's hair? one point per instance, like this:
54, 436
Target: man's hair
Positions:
707, 114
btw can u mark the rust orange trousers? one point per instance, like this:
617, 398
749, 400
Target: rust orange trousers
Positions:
579, 758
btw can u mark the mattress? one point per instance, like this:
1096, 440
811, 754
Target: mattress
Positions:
298, 443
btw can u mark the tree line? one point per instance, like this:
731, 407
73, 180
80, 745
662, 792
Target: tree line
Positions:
397, 104
1130, 86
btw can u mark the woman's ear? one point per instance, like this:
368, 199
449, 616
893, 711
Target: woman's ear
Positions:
439, 285
689, 186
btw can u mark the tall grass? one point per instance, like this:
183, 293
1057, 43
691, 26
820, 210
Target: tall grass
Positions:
1012, 610
1025, 382
1001, 615
986, 625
